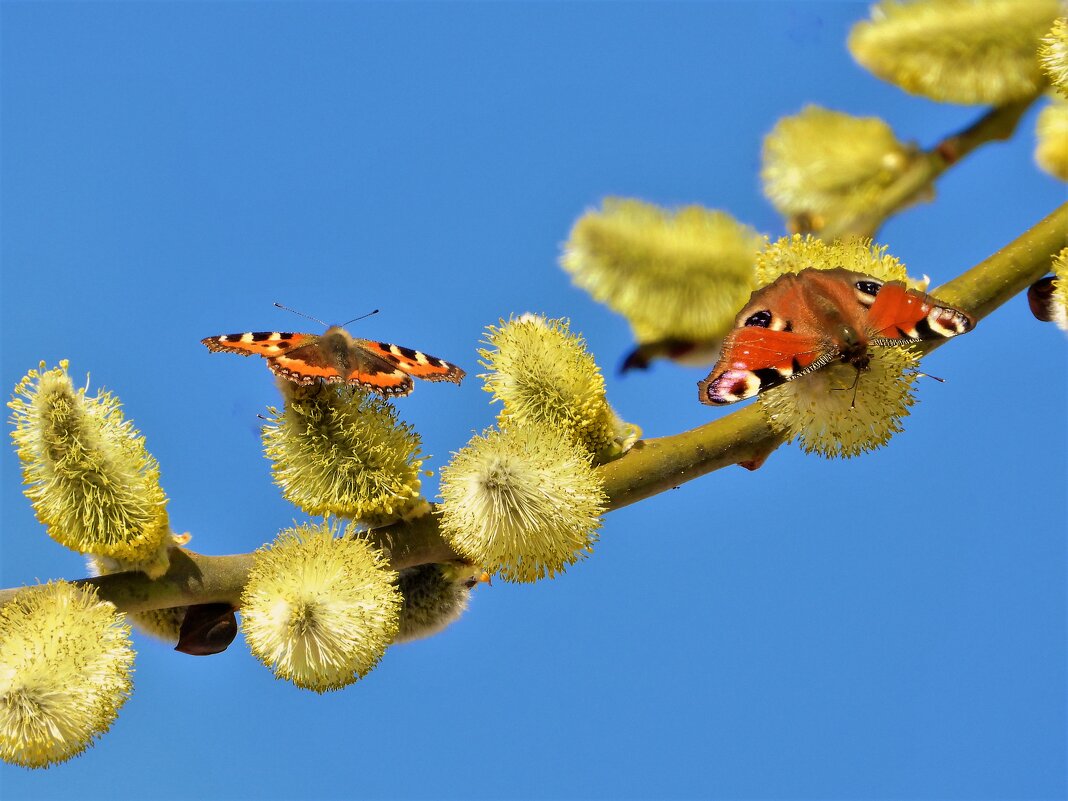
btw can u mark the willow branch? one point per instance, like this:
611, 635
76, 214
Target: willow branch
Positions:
1011, 270
998, 124
651, 467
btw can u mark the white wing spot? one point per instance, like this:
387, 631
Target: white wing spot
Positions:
778, 323
734, 385
947, 322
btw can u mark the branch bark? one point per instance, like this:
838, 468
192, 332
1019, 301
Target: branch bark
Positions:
998, 124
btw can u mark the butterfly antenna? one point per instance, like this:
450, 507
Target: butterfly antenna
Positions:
302, 314
928, 375
361, 317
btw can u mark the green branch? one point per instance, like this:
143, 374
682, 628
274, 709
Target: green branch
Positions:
651, 467
927, 166
1011, 270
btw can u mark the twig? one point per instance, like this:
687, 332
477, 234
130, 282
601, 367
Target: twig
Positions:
997, 124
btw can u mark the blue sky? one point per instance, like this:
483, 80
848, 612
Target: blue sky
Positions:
891, 626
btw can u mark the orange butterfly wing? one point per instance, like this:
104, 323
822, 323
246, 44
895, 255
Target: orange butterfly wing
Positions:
412, 362
899, 313
258, 343
305, 365
756, 359
755, 348
384, 380
336, 357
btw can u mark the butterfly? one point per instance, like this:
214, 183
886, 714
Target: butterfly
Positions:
805, 321
337, 357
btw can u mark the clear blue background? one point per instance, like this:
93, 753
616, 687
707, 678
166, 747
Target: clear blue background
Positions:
887, 627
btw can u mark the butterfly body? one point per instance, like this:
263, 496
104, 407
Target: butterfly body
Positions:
808, 320
337, 357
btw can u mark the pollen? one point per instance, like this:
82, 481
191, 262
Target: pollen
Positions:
523, 502
794, 253
829, 165
435, 596
841, 412
1051, 138
87, 473
343, 450
673, 274
1053, 55
320, 609
543, 375
65, 665
956, 51
1058, 301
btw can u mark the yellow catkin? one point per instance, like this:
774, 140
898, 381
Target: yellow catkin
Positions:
1053, 55
826, 165
65, 666
1051, 138
87, 472
543, 375
956, 51
523, 502
320, 609
673, 274
341, 450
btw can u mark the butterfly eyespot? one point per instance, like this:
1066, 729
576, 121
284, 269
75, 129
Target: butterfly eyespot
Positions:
870, 288
760, 319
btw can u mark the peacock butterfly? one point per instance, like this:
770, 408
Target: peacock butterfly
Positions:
338, 357
805, 321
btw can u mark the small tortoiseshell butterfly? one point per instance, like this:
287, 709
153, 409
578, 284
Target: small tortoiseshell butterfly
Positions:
337, 357
805, 321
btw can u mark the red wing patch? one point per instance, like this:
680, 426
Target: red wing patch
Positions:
420, 365
755, 359
896, 312
903, 314
755, 348
258, 343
